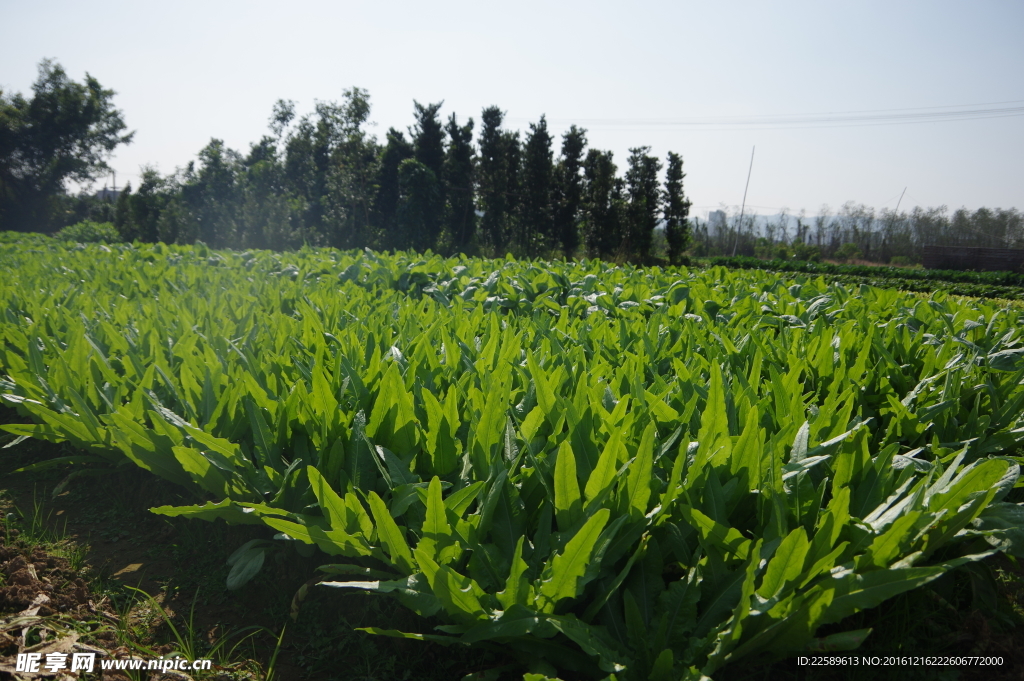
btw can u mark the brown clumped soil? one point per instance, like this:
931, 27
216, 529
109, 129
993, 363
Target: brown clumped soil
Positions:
27, 574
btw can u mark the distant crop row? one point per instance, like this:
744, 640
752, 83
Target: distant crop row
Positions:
634, 474
1009, 285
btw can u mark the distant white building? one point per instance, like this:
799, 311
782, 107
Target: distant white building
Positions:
716, 219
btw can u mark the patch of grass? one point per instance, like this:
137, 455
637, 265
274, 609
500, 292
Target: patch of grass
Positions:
234, 651
38, 527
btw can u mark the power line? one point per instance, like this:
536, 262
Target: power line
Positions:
744, 204
958, 112
830, 117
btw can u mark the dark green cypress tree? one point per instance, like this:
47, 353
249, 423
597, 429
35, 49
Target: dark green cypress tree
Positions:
512, 150
124, 221
428, 136
460, 212
395, 151
418, 206
537, 223
213, 198
330, 168
148, 202
644, 203
492, 181
618, 217
676, 207
428, 149
569, 190
602, 205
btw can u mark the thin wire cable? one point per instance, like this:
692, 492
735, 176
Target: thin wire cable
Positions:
957, 112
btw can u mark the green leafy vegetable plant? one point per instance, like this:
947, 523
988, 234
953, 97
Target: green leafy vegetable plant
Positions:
629, 473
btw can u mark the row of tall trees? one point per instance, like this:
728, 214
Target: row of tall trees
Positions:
322, 179
881, 236
443, 184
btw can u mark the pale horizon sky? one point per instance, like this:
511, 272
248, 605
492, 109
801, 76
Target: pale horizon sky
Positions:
632, 75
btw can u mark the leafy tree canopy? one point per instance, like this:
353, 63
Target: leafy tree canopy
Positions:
65, 132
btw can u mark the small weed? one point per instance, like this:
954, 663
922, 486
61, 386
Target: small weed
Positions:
39, 530
188, 641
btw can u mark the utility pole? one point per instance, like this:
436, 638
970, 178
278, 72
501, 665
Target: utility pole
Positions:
736, 241
895, 214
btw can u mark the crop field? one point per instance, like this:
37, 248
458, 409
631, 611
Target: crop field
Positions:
612, 472
1005, 285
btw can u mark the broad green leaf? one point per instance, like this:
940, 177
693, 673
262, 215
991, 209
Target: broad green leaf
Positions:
245, 564
437, 538
459, 595
786, 565
202, 471
333, 505
333, 542
856, 592
517, 586
546, 398
563, 578
226, 510
393, 420
715, 443
568, 507
726, 538
266, 453
604, 473
391, 535
732, 630
677, 607
746, 453
638, 477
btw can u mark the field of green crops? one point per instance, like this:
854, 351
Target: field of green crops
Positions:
613, 472
1006, 285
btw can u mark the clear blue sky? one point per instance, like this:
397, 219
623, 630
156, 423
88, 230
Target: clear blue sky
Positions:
628, 72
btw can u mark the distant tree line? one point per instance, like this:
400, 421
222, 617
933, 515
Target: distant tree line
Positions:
856, 231
322, 179
444, 184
